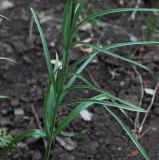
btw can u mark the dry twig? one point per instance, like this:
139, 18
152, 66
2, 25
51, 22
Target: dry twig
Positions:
137, 125
149, 108
38, 122
133, 14
121, 110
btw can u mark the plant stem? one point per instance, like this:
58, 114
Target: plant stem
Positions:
48, 150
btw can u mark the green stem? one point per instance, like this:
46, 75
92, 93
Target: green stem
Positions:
48, 150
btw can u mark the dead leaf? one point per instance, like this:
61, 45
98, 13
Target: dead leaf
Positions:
83, 49
53, 61
66, 143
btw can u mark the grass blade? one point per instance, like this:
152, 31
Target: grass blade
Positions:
48, 110
66, 25
130, 134
1, 16
5, 140
33, 132
91, 55
8, 59
45, 47
111, 46
72, 80
115, 10
97, 89
79, 8
56, 67
124, 44
74, 113
107, 103
4, 97
109, 53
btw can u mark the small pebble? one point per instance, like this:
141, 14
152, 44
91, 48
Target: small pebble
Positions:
18, 111
66, 143
86, 27
86, 115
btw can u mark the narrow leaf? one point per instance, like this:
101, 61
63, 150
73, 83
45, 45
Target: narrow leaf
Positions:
109, 53
33, 132
4, 97
130, 134
56, 67
8, 59
48, 110
45, 47
115, 10
1, 16
110, 104
79, 8
97, 89
66, 25
74, 113
88, 57
111, 46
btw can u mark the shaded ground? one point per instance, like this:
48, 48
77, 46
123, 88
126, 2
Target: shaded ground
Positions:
26, 81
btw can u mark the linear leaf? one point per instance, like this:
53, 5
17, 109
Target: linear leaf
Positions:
68, 19
97, 89
48, 109
74, 113
115, 10
4, 97
66, 25
111, 46
124, 44
4, 17
8, 59
5, 140
45, 47
56, 67
33, 132
110, 104
75, 87
130, 134
109, 53
91, 55
79, 8
72, 80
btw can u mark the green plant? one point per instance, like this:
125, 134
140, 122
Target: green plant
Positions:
149, 23
5, 138
62, 80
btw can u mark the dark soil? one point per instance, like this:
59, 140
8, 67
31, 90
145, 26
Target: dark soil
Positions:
26, 81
